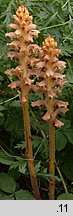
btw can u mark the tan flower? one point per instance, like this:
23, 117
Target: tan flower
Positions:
38, 103
52, 81
14, 85
46, 117
58, 123
46, 66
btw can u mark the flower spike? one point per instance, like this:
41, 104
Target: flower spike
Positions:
52, 81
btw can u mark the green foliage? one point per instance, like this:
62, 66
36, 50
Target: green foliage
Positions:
7, 183
3, 196
61, 140
5, 158
23, 195
65, 196
64, 135
55, 18
69, 134
8, 186
67, 162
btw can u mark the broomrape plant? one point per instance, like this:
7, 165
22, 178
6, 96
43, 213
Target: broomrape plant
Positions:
39, 70
51, 86
23, 50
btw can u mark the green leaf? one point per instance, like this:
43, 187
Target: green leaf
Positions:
21, 145
8, 198
1, 78
2, 108
67, 165
61, 140
13, 123
14, 173
2, 194
7, 183
22, 167
67, 124
14, 165
69, 134
48, 176
67, 169
5, 197
5, 159
1, 114
65, 196
37, 166
1, 119
36, 140
15, 103
24, 195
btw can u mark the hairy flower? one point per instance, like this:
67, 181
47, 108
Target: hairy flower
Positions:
23, 49
41, 62
52, 81
14, 85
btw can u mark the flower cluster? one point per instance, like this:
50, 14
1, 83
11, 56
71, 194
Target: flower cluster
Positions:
52, 83
23, 50
43, 62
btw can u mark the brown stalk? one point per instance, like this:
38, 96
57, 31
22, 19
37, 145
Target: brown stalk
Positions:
51, 150
51, 160
29, 150
27, 134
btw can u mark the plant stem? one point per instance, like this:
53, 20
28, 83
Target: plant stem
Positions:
63, 182
57, 25
29, 150
51, 160
10, 99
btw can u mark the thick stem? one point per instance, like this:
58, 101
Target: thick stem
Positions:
51, 160
29, 151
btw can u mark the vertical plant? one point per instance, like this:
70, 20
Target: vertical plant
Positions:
23, 51
51, 84
42, 62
